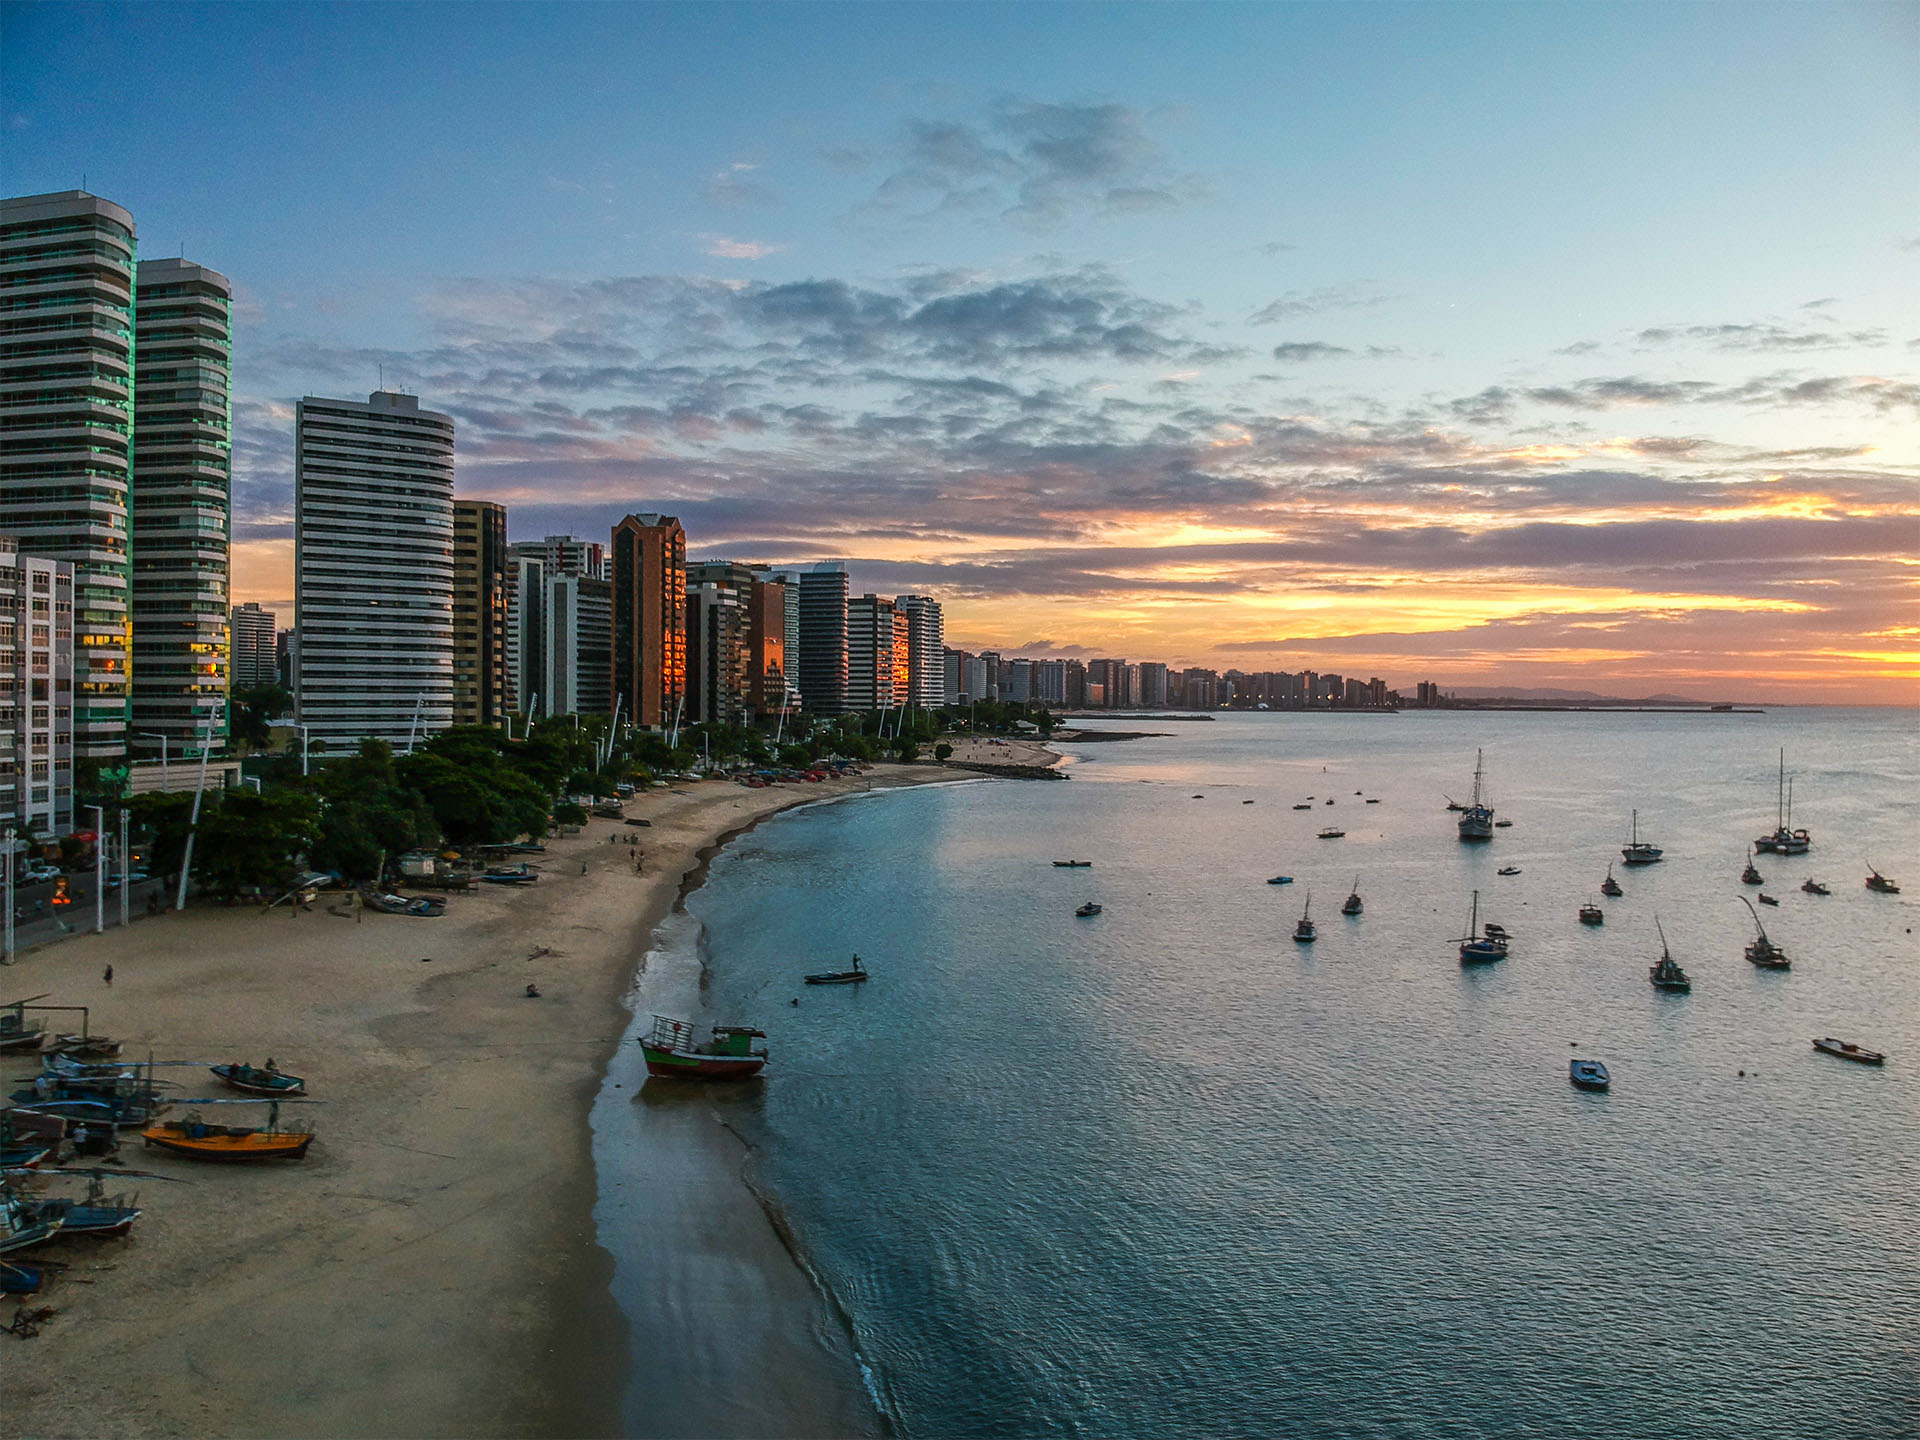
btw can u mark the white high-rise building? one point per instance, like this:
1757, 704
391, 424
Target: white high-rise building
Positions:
926, 646
577, 648
527, 633
253, 646
36, 677
373, 569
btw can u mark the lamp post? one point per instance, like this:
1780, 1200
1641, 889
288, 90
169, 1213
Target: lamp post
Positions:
9, 951
165, 780
193, 824
99, 867
294, 725
126, 867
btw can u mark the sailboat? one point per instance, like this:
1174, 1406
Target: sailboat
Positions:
1751, 876
1353, 905
1304, 932
1610, 886
1477, 822
1667, 975
1762, 951
1784, 840
1636, 851
1478, 947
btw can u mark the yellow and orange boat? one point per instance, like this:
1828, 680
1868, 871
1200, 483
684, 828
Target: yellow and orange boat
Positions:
194, 1137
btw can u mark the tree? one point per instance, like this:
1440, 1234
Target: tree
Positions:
368, 814
253, 708
250, 840
942, 751
158, 821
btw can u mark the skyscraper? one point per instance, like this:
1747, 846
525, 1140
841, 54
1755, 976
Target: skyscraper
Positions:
526, 642
822, 666
36, 714
253, 647
480, 690
578, 646
719, 599
877, 654
650, 618
67, 368
182, 472
926, 642
373, 568
768, 688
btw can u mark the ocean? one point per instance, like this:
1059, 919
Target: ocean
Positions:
1167, 1172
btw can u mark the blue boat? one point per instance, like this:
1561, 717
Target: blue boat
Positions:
1588, 1074
1281, 880
1478, 947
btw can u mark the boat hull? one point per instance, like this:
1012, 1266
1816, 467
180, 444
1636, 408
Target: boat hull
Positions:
1588, 1074
211, 1142
678, 1065
293, 1084
1840, 1049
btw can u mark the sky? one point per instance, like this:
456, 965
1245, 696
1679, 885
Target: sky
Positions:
1568, 345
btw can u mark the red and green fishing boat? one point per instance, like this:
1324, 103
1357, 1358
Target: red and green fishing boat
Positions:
673, 1053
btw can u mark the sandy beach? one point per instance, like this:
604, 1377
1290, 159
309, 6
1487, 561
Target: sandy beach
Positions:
431, 1268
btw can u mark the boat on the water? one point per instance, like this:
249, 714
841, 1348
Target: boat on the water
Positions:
1761, 950
1667, 975
1304, 931
1476, 820
1588, 1074
196, 1138
1859, 1054
1453, 805
1281, 880
1330, 833
1637, 851
1766, 899
1508, 870
1090, 908
1498, 824
1073, 864
1751, 876
856, 976
1880, 883
1814, 887
1611, 887
1307, 806
1785, 840
1592, 915
254, 1080
1353, 905
673, 1052
1482, 945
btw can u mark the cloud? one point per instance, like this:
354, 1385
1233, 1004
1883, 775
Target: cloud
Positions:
1297, 303
1034, 163
1294, 352
727, 248
731, 188
1497, 405
1758, 337
1276, 247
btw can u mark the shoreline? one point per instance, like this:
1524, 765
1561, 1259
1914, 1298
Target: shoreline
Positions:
435, 1256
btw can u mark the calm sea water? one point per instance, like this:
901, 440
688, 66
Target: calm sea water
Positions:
1166, 1172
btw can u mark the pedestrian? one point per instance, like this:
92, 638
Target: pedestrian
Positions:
108, 977
80, 1138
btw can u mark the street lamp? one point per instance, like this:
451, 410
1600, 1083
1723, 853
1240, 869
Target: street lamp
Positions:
99, 867
165, 782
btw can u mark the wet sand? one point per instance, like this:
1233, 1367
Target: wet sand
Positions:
432, 1267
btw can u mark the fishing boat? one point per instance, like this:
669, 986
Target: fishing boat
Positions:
17, 1032
1637, 851
1766, 899
1508, 870
1588, 1074
1785, 840
1453, 805
1592, 915
85, 1047
1073, 864
1751, 876
1610, 887
1372, 801
20, 1279
1481, 946
22, 1223
198, 1139
1307, 806
1814, 887
673, 1053
1353, 905
1762, 951
1857, 1053
388, 903
1496, 932
1667, 975
516, 875
856, 976
1498, 824
1281, 880
1880, 883
95, 1214
1330, 833
1090, 908
252, 1080
1476, 822
1304, 931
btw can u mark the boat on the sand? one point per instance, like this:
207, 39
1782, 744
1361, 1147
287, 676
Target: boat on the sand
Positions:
198, 1139
673, 1053
253, 1080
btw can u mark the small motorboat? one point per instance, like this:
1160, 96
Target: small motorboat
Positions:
1509, 870
517, 875
1856, 1053
1353, 904
1501, 824
1199, 797
1372, 802
1304, 932
1246, 802
1307, 806
1482, 945
672, 1053
1766, 899
857, 975
1090, 908
253, 1080
1330, 833
1762, 951
1878, 882
1329, 799
1667, 975
1592, 915
1814, 887
1073, 864
1453, 805
1610, 886
1281, 880
1588, 1074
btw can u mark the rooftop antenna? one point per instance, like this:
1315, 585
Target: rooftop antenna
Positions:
383, 377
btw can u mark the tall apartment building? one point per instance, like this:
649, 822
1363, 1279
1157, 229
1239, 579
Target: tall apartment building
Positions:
822, 663
67, 372
768, 614
926, 641
719, 667
481, 692
254, 656
877, 654
577, 646
1050, 682
373, 569
1153, 683
182, 474
526, 638
788, 578
650, 618
567, 555
1019, 686
954, 668
36, 691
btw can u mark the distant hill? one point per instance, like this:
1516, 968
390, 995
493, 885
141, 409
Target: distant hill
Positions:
1549, 696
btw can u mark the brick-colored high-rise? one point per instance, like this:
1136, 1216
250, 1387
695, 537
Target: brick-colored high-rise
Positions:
482, 692
650, 618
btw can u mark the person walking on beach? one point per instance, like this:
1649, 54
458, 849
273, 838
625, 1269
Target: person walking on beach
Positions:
108, 977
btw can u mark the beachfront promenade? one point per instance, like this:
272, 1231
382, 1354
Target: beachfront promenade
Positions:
430, 1268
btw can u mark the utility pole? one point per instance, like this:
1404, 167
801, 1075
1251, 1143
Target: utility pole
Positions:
193, 824
8, 959
126, 868
99, 868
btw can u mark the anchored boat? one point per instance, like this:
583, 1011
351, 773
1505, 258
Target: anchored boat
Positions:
1588, 1074
1482, 946
1304, 931
1880, 883
1610, 887
1592, 915
1637, 851
1784, 840
1667, 975
1476, 823
1354, 905
856, 976
1762, 951
1859, 1054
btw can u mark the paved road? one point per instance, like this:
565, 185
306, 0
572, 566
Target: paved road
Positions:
37, 920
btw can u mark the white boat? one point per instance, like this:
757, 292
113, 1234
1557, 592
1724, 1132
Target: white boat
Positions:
1785, 840
1636, 851
1476, 823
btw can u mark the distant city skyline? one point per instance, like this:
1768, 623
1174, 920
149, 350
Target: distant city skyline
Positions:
1498, 346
